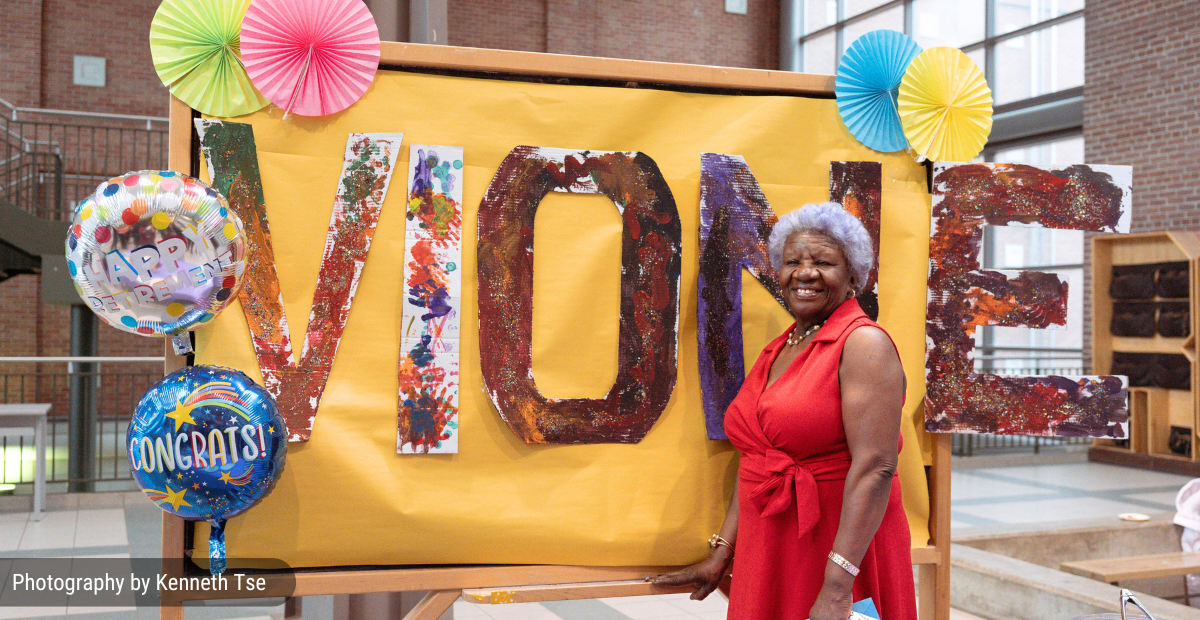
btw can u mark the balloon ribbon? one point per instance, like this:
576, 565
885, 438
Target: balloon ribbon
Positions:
216, 546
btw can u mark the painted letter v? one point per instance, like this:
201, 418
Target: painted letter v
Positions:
232, 160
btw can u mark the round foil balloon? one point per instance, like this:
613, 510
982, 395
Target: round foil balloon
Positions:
156, 252
206, 443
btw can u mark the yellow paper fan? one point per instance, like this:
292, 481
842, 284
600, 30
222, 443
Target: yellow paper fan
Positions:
945, 105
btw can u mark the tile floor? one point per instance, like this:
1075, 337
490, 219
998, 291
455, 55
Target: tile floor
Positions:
1037, 493
125, 525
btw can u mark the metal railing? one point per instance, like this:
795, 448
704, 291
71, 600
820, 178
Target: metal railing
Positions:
114, 386
50, 160
986, 443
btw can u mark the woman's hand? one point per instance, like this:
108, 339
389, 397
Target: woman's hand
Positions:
704, 575
833, 603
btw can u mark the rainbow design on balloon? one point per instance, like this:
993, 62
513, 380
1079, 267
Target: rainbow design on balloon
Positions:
218, 394
244, 478
155, 495
174, 498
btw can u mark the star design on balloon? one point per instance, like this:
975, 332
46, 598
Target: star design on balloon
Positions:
270, 429
175, 499
196, 486
179, 476
182, 414
225, 477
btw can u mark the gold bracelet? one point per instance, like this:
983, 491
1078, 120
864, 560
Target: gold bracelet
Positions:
717, 540
844, 563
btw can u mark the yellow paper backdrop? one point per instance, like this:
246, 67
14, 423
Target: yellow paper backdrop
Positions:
345, 497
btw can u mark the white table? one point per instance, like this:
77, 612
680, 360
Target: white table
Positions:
24, 421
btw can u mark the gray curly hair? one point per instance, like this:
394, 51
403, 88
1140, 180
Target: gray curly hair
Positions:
831, 220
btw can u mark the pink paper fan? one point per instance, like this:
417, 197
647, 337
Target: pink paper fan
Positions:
311, 57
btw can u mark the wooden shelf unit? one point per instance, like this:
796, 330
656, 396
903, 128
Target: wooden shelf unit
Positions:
1152, 410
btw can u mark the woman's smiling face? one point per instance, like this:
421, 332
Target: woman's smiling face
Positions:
815, 276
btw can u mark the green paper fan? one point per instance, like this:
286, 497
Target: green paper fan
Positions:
195, 45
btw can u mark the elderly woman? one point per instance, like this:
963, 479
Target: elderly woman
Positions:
816, 517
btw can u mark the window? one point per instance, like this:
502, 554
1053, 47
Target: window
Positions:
948, 23
1030, 50
1032, 54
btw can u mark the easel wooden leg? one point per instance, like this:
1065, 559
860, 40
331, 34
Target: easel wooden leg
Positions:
941, 609
927, 592
433, 605
939, 521
293, 608
172, 553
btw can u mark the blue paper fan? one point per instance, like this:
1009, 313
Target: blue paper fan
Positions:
868, 79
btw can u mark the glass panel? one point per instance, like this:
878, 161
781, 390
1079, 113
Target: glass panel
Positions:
1016, 247
1059, 152
854, 7
820, 54
977, 56
819, 14
891, 19
1041, 62
948, 23
1016, 14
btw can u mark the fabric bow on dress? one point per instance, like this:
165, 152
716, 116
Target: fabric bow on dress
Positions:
778, 479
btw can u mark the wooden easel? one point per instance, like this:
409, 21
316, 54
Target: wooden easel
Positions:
518, 584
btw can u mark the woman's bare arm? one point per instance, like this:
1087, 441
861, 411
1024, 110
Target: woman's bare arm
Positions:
707, 574
872, 387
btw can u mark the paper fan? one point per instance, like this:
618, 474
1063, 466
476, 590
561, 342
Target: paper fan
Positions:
311, 57
945, 105
867, 79
194, 44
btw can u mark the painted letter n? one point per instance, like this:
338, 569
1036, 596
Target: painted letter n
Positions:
735, 225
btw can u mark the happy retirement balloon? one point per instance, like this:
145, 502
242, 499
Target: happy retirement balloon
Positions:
206, 443
156, 252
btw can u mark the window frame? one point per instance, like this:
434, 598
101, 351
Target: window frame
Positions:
1030, 118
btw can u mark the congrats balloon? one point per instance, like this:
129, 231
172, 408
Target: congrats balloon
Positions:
156, 253
206, 443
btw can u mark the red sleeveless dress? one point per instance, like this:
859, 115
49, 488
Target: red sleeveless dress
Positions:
794, 460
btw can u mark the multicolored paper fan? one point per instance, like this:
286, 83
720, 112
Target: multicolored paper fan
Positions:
194, 44
311, 57
945, 105
867, 81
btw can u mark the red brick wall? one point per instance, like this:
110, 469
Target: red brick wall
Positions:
41, 37
1142, 104
21, 52
498, 24
29, 328
119, 32
694, 31
1142, 108
20, 317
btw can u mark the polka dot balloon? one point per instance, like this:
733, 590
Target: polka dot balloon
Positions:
156, 253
